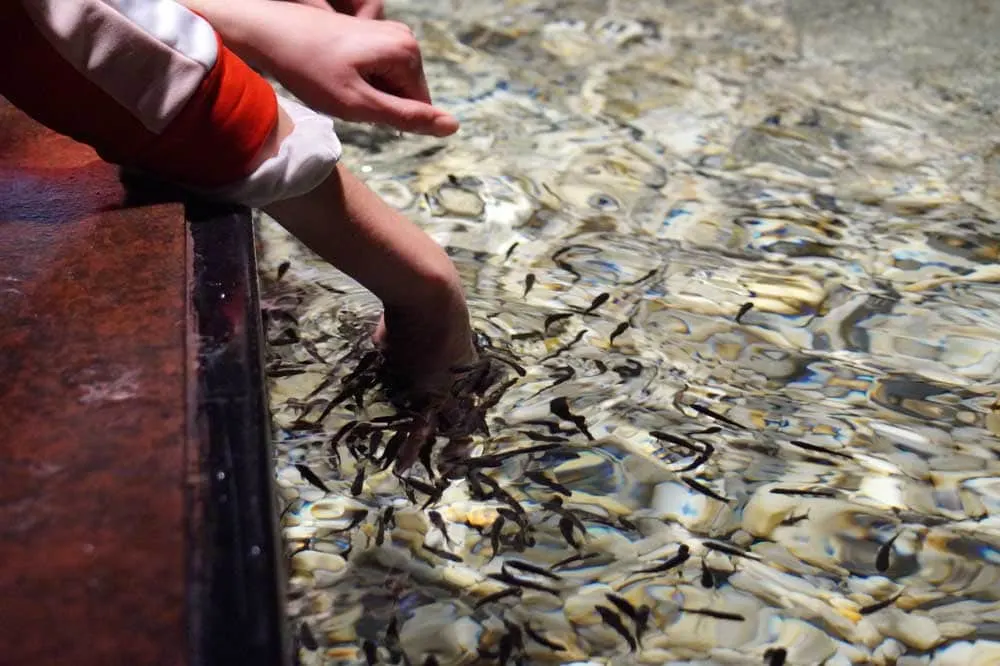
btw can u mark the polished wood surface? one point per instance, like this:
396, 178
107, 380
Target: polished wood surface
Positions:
93, 399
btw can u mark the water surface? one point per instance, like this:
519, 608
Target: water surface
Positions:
792, 379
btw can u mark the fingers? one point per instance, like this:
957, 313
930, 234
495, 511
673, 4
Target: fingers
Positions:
408, 115
364, 9
371, 9
403, 79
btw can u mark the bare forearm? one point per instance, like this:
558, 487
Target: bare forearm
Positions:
352, 228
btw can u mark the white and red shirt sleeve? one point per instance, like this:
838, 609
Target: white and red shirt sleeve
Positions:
150, 85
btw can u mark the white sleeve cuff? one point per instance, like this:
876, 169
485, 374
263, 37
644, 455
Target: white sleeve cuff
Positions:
304, 160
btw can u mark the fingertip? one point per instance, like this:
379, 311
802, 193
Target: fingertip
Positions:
444, 125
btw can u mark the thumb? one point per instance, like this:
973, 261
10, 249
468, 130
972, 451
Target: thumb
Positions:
409, 115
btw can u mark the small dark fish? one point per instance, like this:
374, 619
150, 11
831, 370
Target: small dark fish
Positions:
820, 449
711, 430
311, 477
715, 415
642, 615
504, 649
553, 318
719, 615
775, 656
505, 577
509, 500
431, 660
565, 265
729, 550
371, 652
439, 523
542, 640
392, 448
380, 535
579, 557
532, 568
566, 528
561, 375
495, 532
805, 492
374, 442
613, 620
426, 450
515, 633
648, 274
442, 553
543, 480
283, 268
553, 428
795, 520
884, 551
597, 302
703, 489
566, 347
623, 605
619, 329
392, 632
560, 408
517, 367
707, 577
555, 504
673, 439
510, 251
542, 437
313, 351
529, 282
745, 308
359, 481
307, 638
425, 488
344, 429
680, 557
355, 521
436, 495
885, 603
700, 459
513, 516
496, 459
497, 596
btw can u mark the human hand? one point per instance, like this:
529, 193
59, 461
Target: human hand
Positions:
424, 343
351, 68
365, 9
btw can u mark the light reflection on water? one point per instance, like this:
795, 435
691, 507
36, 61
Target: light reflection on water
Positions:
685, 159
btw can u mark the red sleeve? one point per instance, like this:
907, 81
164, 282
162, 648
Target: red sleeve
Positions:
211, 142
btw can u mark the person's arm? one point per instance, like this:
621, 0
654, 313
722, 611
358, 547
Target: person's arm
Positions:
350, 68
366, 9
425, 330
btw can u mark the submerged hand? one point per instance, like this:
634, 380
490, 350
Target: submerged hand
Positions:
424, 346
352, 68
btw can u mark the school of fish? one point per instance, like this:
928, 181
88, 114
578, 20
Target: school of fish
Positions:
738, 315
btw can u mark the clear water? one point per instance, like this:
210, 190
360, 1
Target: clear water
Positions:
686, 159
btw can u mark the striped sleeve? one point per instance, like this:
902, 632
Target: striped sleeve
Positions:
147, 83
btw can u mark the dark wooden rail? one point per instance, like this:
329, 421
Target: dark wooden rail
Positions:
137, 521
